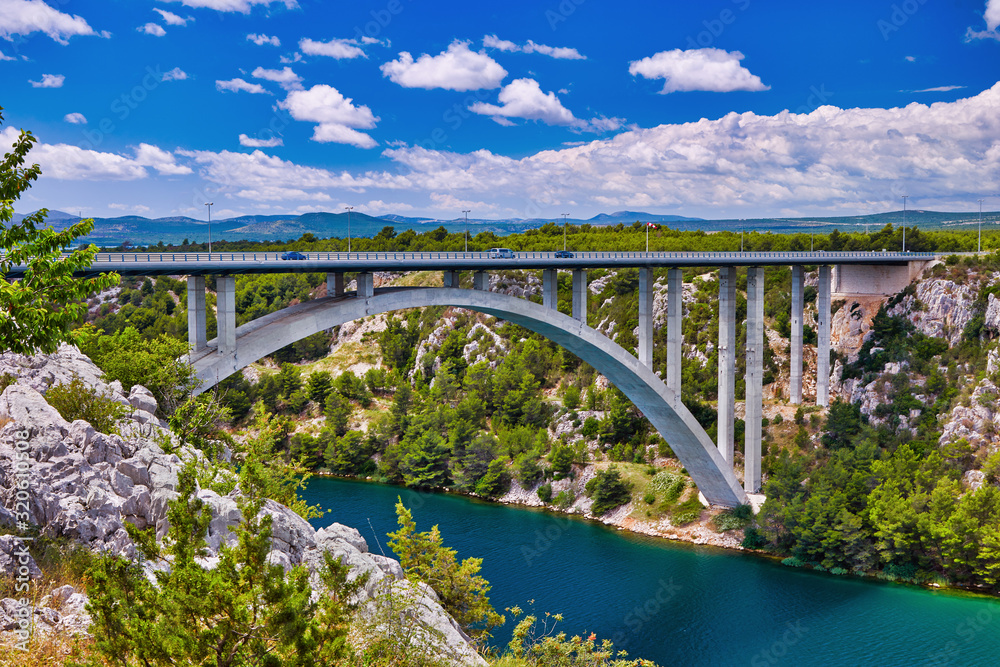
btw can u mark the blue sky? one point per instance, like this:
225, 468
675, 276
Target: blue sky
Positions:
724, 108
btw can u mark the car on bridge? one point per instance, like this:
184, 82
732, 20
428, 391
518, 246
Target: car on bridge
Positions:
294, 254
564, 254
502, 253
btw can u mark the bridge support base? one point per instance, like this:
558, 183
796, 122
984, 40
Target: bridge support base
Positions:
754, 378
823, 338
481, 281
334, 284
449, 278
225, 290
550, 288
727, 362
366, 285
197, 336
580, 295
675, 333
646, 317
795, 364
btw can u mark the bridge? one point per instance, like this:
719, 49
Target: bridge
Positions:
709, 464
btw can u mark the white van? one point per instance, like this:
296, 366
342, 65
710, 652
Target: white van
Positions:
502, 253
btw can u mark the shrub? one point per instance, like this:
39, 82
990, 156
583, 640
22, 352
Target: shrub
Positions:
670, 484
608, 490
545, 493
793, 561
78, 401
564, 499
733, 519
561, 458
649, 498
753, 539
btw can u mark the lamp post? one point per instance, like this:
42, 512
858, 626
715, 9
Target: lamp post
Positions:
209, 205
348, 209
564, 228
466, 229
743, 224
904, 222
980, 249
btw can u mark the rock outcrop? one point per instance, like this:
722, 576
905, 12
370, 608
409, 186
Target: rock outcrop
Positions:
84, 485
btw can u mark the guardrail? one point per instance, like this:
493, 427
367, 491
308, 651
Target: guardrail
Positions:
403, 256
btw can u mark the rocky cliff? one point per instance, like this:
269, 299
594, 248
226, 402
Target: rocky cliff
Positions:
84, 485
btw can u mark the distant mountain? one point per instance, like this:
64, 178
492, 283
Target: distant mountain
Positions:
639, 216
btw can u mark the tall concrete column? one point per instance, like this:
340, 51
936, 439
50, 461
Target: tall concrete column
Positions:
450, 278
550, 288
481, 281
225, 314
727, 362
823, 338
795, 368
197, 316
366, 285
675, 333
580, 295
754, 378
646, 317
334, 284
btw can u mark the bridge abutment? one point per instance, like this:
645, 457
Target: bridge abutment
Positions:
754, 379
225, 291
366, 285
449, 278
646, 317
795, 364
481, 281
197, 324
580, 295
334, 284
550, 288
727, 362
823, 338
675, 335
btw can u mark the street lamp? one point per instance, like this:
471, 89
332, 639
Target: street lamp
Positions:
564, 228
980, 226
904, 222
209, 205
348, 209
743, 224
466, 229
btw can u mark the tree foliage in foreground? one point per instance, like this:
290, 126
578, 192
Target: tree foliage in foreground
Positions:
36, 311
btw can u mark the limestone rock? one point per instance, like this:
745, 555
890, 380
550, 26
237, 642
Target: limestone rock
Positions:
14, 556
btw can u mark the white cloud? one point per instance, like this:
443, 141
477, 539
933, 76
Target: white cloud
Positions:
172, 19
135, 208
713, 70
992, 14
23, 17
261, 40
162, 161
49, 81
176, 74
939, 89
75, 118
523, 98
289, 60
241, 6
154, 29
284, 77
341, 49
339, 120
250, 142
3, 57
72, 163
237, 85
561, 52
449, 202
910, 59
458, 68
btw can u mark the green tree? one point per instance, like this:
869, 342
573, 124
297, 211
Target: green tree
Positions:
37, 310
608, 490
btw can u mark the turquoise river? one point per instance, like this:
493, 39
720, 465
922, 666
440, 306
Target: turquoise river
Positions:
675, 603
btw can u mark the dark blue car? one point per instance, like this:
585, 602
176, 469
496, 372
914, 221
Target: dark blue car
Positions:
564, 254
293, 255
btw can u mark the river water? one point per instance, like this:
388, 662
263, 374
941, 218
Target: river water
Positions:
675, 603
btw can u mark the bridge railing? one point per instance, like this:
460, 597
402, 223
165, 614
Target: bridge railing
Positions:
809, 257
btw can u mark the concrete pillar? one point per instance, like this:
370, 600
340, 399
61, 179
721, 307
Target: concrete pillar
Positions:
727, 361
225, 313
550, 288
450, 278
823, 338
366, 285
334, 284
754, 378
675, 333
481, 281
580, 295
646, 317
795, 365
197, 316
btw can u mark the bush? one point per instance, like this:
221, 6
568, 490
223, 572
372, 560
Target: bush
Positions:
545, 493
793, 561
76, 400
564, 499
733, 519
753, 539
608, 490
670, 484
649, 498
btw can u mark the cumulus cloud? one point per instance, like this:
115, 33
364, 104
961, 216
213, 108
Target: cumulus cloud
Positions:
75, 118
154, 29
241, 6
49, 81
342, 49
237, 85
338, 118
561, 52
523, 98
458, 68
992, 14
72, 163
284, 77
713, 70
176, 74
172, 19
133, 208
162, 161
250, 142
23, 17
261, 40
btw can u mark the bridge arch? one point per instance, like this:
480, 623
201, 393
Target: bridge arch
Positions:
689, 441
